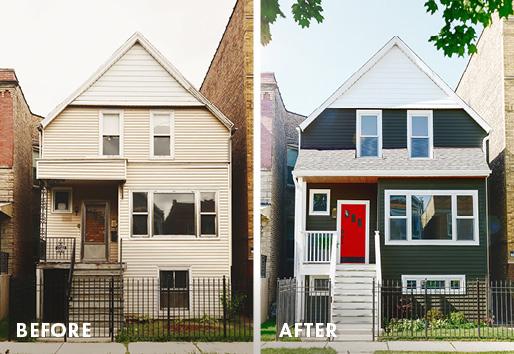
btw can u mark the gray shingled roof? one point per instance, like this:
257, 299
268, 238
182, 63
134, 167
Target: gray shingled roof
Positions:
395, 162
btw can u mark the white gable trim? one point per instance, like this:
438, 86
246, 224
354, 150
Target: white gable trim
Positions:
395, 41
139, 38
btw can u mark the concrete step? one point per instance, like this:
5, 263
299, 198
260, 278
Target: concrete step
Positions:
353, 280
353, 306
355, 274
356, 266
353, 313
347, 298
352, 320
357, 291
358, 285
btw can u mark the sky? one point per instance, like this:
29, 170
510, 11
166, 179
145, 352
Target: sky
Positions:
310, 64
56, 45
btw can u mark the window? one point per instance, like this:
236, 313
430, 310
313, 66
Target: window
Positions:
431, 217
140, 214
319, 285
369, 133
434, 284
420, 134
110, 130
174, 289
208, 222
292, 156
264, 260
174, 214
162, 129
62, 200
319, 202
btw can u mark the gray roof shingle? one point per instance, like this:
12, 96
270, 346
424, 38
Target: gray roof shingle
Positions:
395, 162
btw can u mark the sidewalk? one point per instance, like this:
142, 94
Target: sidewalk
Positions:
370, 347
118, 348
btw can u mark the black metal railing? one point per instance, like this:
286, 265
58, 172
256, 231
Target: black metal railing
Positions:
303, 302
69, 286
4, 262
438, 310
57, 249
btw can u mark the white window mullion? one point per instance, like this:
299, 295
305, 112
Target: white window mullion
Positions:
408, 212
454, 217
150, 214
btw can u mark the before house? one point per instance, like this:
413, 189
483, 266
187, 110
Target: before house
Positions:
391, 184
135, 168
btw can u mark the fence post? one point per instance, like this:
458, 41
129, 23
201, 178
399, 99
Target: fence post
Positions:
478, 306
10, 315
111, 307
168, 280
426, 310
225, 307
277, 322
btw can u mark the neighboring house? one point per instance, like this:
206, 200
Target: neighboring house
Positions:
229, 85
278, 154
19, 197
487, 85
393, 156
136, 172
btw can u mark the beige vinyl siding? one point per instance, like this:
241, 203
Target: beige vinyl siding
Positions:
206, 257
136, 79
198, 135
95, 169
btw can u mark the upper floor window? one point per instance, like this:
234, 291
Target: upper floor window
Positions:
420, 134
162, 129
110, 133
369, 133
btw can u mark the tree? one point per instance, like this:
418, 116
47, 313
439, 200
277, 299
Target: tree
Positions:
457, 36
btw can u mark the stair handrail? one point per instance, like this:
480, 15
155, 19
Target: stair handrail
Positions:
333, 262
378, 257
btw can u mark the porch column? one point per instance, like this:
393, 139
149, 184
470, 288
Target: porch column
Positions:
299, 225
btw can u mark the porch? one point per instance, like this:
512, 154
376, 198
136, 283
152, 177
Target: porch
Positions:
79, 218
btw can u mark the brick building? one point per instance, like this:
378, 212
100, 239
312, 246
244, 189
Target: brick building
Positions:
487, 85
19, 203
228, 84
279, 148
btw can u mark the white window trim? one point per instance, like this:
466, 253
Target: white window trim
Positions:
447, 281
176, 269
311, 200
429, 114
171, 114
150, 199
377, 113
101, 128
200, 213
131, 202
453, 194
70, 200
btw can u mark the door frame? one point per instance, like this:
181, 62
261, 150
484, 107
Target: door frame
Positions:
83, 228
366, 203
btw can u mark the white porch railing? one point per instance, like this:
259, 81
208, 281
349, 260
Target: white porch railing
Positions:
378, 257
318, 246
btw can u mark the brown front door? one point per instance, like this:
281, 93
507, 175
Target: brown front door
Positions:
94, 234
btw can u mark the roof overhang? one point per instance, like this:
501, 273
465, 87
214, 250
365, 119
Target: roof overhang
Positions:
391, 173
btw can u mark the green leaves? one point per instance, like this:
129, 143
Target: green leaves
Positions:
304, 11
458, 35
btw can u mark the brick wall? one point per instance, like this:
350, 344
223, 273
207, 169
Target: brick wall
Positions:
17, 233
6, 128
229, 85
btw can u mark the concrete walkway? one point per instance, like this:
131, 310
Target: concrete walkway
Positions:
371, 347
118, 348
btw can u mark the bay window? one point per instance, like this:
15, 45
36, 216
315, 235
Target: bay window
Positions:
418, 217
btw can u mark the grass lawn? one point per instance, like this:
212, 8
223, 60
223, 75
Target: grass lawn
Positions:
298, 350
269, 333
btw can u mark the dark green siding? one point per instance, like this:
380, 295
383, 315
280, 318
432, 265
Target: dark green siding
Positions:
335, 129
455, 128
394, 129
345, 191
468, 260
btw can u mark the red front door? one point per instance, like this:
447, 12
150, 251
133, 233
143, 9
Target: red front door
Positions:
353, 233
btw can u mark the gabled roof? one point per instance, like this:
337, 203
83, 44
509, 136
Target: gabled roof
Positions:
138, 38
395, 43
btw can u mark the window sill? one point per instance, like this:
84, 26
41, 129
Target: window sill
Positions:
432, 243
169, 238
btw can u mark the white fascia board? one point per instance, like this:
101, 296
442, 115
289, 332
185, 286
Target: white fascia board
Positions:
423, 67
391, 173
139, 38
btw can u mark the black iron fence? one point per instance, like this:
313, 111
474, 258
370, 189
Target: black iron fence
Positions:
56, 249
303, 302
137, 309
438, 309
4, 262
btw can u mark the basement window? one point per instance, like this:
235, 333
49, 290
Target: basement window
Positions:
434, 284
174, 289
